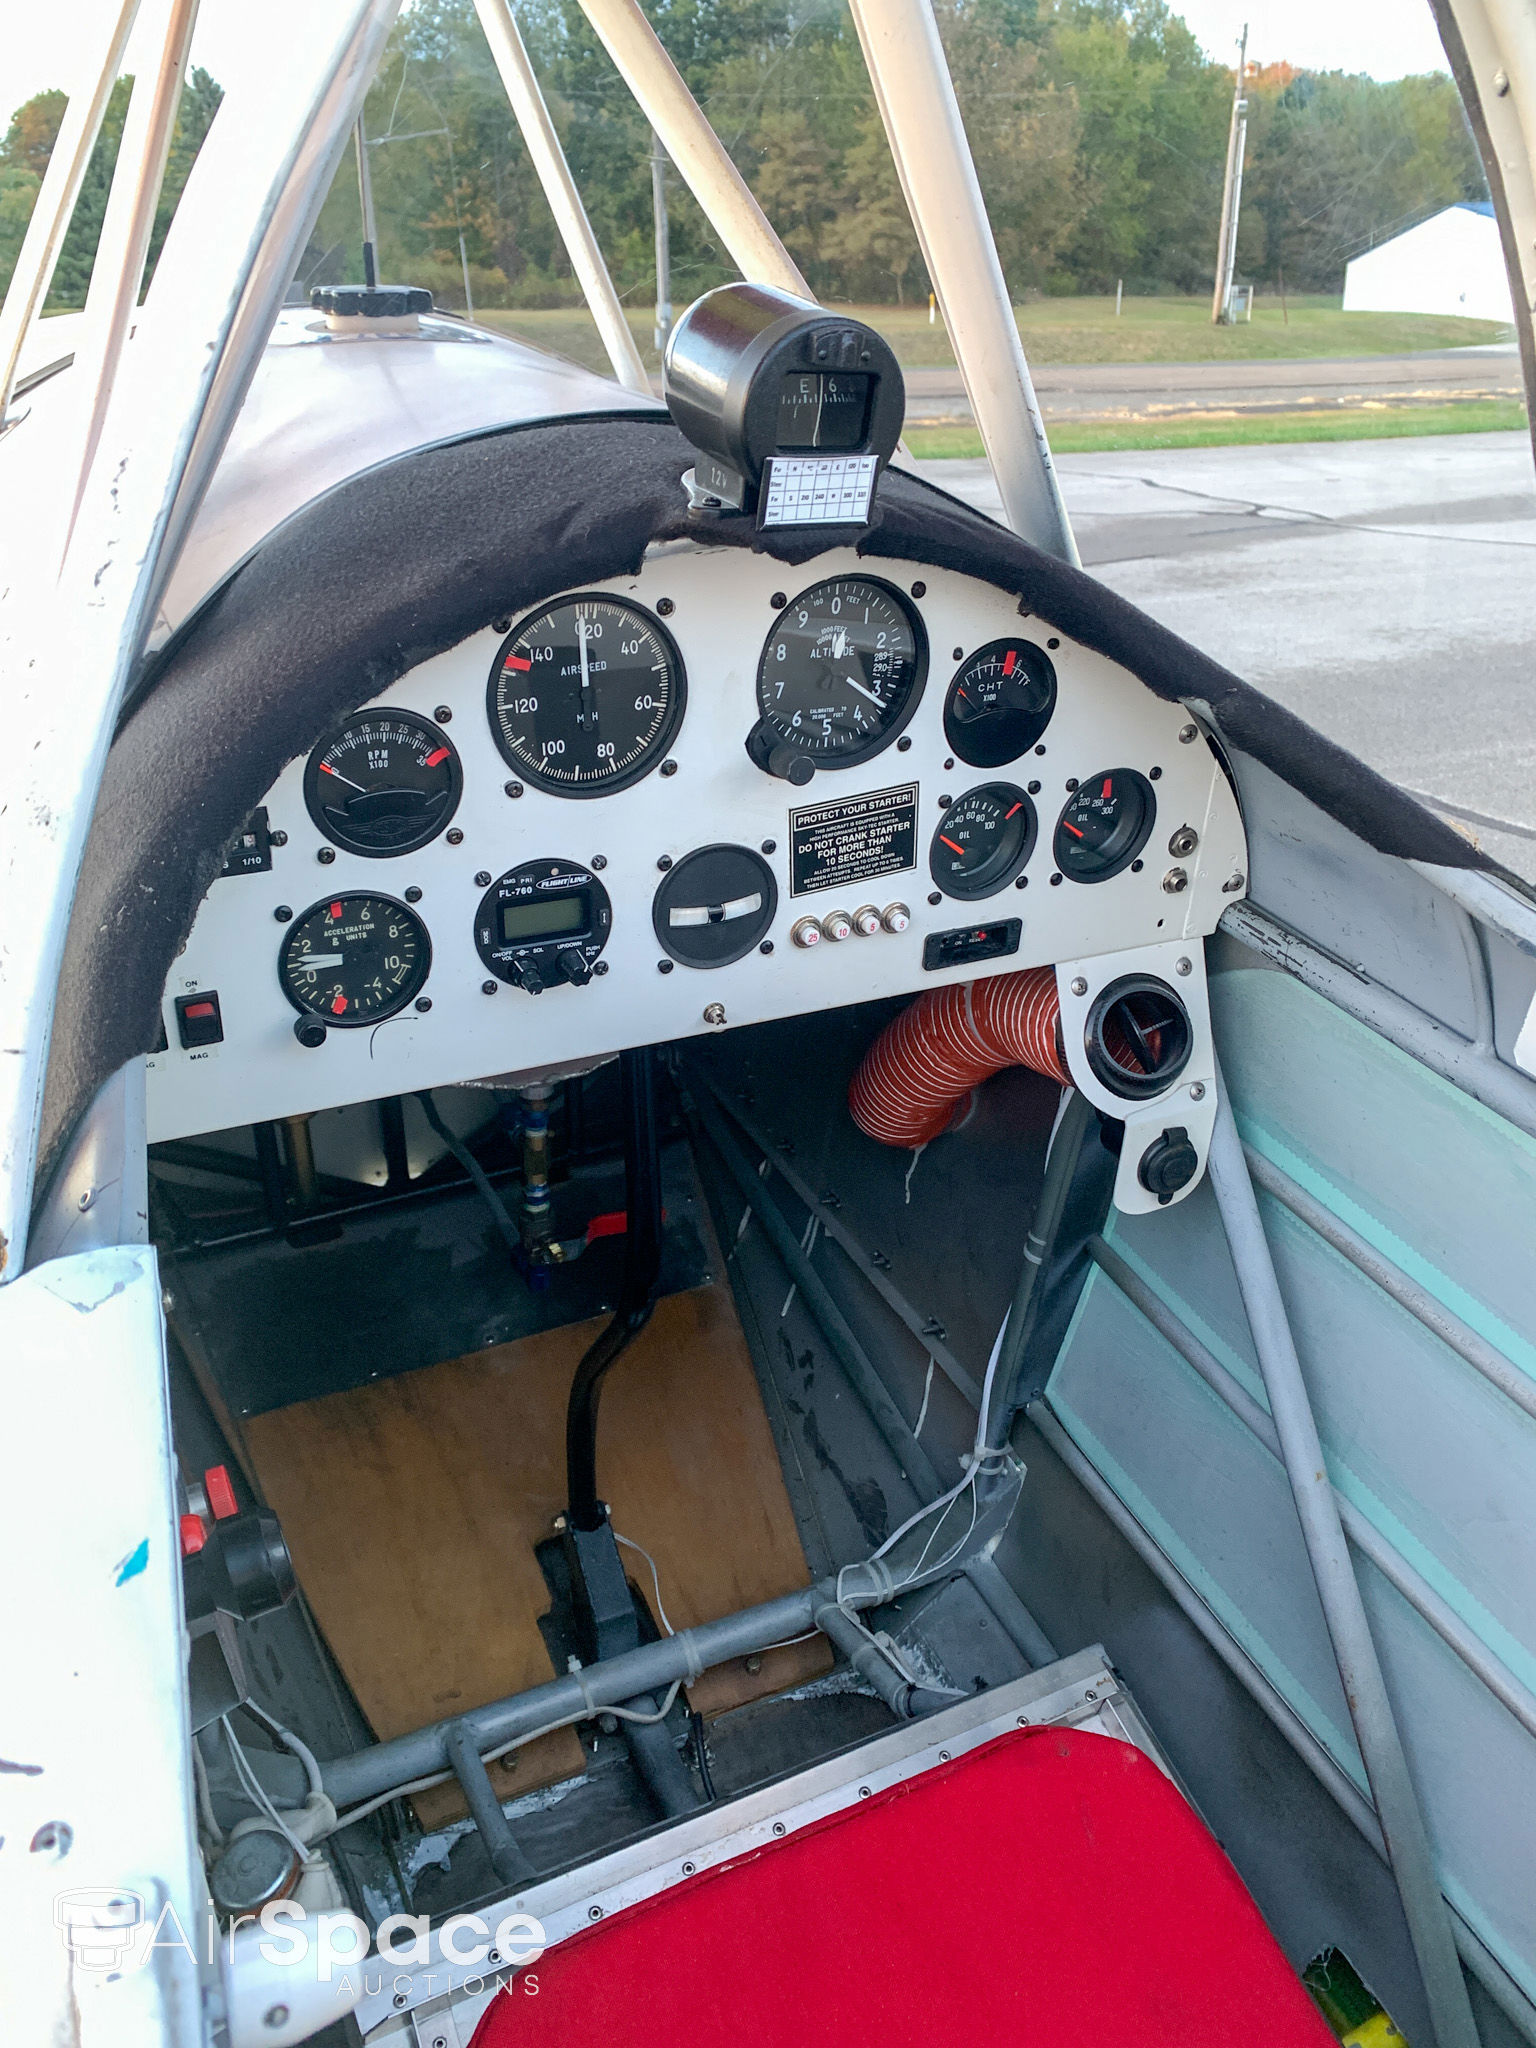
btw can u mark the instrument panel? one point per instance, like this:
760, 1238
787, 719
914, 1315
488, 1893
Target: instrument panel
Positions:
720, 791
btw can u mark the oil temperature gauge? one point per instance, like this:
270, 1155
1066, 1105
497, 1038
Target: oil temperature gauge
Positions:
983, 841
1000, 702
1107, 821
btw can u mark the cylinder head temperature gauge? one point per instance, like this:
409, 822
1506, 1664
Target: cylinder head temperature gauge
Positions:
1000, 702
1108, 819
982, 841
383, 783
354, 960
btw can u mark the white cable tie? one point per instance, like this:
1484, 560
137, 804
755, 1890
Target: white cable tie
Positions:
696, 1665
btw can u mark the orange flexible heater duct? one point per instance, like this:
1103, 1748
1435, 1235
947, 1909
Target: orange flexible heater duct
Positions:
924, 1064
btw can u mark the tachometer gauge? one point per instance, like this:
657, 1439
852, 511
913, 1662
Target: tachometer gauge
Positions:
384, 782
983, 841
354, 959
1000, 702
1107, 821
585, 695
840, 676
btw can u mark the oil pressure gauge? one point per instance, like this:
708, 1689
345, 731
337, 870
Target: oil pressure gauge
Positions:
983, 841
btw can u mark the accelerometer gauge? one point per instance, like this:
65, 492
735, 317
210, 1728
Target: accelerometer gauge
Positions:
384, 782
354, 959
585, 695
1000, 702
1107, 821
543, 924
983, 841
840, 675
715, 905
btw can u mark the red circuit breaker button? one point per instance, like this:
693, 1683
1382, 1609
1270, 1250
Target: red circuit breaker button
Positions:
221, 1494
198, 1020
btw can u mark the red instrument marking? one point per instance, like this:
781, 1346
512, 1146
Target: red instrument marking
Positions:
1073, 829
338, 1006
336, 912
1008, 814
1008, 661
516, 661
1108, 789
433, 759
326, 768
951, 845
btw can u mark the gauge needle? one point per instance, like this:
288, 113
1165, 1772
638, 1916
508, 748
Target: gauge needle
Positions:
327, 769
840, 644
587, 708
854, 684
320, 959
952, 846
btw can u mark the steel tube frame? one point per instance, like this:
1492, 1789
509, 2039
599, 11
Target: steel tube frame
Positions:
1365, 1689
1485, 1967
917, 103
55, 204
700, 156
531, 112
1361, 1532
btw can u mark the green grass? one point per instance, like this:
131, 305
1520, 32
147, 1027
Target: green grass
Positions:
1221, 430
1166, 330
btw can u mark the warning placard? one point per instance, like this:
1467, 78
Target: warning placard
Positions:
835, 845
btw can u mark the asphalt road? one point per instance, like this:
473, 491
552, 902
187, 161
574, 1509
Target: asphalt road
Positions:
1151, 390
1384, 590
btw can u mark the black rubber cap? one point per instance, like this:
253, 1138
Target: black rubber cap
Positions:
373, 301
1169, 1163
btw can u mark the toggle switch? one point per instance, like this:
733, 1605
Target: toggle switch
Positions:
198, 1020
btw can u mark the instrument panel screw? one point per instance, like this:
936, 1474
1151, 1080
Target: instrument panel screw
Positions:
943, 1756
454, 836
413, 894
599, 862
904, 745
326, 855
277, 838
1183, 966
664, 862
1175, 882
949, 764
1233, 883
935, 898
275, 2016
284, 913
665, 607
863, 1791
770, 846
1137, 866
1188, 734
1197, 1091
1055, 881
945, 802
489, 988
919, 590
1039, 750
766, 946
423, 1004
501, 625
513, 788
778, 1827
668, 768
443, 713
594, 1912
958, 654
1071, 784
1021, 881
1053, 643
601, 967
1079, 985
482, 878
664, 966
689, 1869
778, 600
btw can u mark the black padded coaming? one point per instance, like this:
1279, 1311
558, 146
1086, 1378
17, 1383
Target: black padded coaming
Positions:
411, 558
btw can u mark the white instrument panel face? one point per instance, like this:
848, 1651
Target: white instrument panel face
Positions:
1107, 739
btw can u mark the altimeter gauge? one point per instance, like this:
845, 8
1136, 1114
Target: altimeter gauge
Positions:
840, 675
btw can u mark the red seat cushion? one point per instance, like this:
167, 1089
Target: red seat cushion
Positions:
1050, 1889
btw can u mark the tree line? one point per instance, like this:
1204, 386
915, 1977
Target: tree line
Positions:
1099, 129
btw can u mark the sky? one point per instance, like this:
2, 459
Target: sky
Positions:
1383, 37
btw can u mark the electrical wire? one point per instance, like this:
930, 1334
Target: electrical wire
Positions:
289, 1740
256, 1792
210, 1822
661, 1612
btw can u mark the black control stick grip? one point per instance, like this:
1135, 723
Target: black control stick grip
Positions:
776, 756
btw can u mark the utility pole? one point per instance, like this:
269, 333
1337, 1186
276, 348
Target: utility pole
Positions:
365, 196
1232, 190
663, 242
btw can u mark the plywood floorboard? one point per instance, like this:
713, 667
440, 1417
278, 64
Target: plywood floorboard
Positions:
412, 1507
